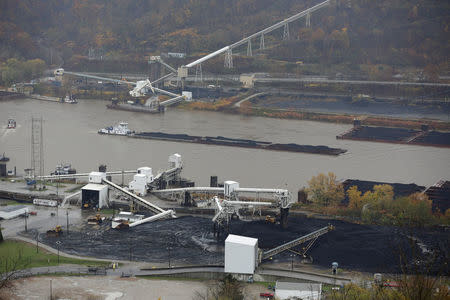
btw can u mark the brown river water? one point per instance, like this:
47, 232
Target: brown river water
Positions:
70, 135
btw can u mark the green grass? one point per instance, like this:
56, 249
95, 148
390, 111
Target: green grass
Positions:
14, 202
24, 256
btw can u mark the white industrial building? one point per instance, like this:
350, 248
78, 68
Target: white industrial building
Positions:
141, 180
229, 187
95, 194
241, 254
139, 185
297, 290
175, 161
13, 211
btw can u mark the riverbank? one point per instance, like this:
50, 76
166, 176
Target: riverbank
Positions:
339, 118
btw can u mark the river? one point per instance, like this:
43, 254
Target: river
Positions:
70, 135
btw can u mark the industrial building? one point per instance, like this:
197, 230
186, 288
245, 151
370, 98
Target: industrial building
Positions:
95, 194
241, 254
296, 290
13, 211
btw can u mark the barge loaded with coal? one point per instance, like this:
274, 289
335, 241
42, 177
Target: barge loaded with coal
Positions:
422, 137
224, 141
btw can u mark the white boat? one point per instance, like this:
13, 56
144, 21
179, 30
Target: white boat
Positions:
69, 99
120, 129
11, 124
64, 169
124, 219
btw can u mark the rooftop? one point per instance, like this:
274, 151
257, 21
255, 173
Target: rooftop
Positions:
239, 239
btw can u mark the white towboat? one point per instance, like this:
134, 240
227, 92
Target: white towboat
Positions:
11, 124
124, 219
69, 99
120, 129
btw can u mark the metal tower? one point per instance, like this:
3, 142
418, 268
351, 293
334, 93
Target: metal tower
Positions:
228, 59
37, 147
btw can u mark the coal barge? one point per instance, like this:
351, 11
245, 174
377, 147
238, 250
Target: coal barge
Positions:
224, 141
422, 137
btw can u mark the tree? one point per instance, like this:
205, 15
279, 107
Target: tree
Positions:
325, 189
355, 199
229, 288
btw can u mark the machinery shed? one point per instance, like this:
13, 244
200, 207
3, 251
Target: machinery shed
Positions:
94, 196
241, 254
13, 211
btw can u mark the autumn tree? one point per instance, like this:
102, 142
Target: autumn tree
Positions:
325, 189
355, 198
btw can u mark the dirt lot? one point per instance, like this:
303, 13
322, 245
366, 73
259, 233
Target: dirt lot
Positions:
112, 288
108, 288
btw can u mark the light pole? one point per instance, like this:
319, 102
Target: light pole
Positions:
26, 225
67, 220
37, 242
58, 243
292, 262
168, 249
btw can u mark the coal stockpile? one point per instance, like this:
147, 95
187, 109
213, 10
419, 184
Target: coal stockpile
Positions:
357, 247
190, 240
364, 248
400, 189
224, 141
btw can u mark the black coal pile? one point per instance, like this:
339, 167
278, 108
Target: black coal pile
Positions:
358, 247
191, 241
185, 240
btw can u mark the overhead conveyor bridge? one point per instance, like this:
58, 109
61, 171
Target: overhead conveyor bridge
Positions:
138, 199
309, 237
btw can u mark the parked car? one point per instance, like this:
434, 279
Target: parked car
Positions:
266, 295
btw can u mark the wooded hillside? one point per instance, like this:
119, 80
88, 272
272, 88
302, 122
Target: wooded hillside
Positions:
396, 33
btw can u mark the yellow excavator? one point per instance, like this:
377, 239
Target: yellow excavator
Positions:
55, 232
95, 220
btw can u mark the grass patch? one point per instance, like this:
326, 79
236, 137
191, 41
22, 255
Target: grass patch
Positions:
14, 202
108, 211
24, 256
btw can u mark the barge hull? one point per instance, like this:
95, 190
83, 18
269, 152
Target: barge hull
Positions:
222, 141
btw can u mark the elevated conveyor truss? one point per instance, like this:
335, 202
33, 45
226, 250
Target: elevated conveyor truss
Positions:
289, 245
139, 200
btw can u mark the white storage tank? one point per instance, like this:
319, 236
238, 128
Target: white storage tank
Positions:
139, 184
241, 254
96, 177
229, 187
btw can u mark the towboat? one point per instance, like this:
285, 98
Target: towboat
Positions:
11, 124
69, 99
120, 129
124, 219
64, 169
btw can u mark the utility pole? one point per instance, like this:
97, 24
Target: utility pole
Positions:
37, 242
26, 217
67, 220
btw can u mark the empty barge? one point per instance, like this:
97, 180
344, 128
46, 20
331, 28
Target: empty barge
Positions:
224, 141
